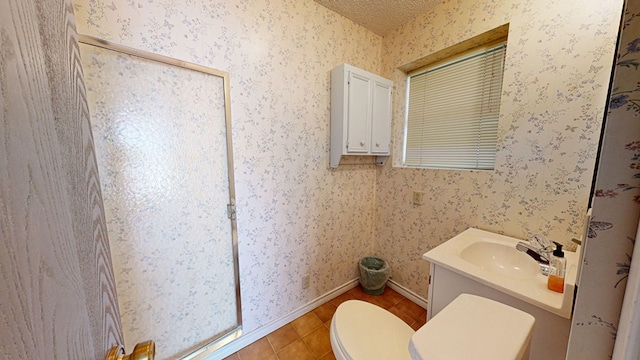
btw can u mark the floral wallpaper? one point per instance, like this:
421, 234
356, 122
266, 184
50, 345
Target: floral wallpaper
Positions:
616, 205
557, 71
295, 216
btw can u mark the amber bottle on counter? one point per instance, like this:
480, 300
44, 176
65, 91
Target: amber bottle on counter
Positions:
557, 266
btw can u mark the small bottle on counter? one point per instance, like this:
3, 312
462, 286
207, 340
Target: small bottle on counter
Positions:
557, 265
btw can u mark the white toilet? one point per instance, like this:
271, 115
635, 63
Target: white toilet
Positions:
470, 327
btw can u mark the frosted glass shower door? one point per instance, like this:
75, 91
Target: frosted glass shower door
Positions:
160, 134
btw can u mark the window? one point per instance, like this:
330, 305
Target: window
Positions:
453, 109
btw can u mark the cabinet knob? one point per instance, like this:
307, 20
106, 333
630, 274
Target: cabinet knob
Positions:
361, 143
377, 144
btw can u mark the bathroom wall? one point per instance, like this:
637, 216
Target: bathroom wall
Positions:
295, 216
557, 71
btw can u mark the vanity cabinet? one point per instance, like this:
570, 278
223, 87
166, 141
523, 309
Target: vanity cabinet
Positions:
360, 114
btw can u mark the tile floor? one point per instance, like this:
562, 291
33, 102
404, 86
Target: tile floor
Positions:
307, 337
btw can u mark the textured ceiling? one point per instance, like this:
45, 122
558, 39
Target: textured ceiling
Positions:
380, 16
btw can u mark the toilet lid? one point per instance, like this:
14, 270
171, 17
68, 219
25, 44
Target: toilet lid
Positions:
366, 331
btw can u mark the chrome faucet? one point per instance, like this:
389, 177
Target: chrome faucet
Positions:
539, 253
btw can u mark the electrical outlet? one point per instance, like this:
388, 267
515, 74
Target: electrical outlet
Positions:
418, 196
305, 282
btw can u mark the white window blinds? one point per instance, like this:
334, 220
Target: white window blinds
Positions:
453, 109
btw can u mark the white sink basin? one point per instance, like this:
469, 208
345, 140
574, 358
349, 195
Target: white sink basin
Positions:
501, 259
492, 260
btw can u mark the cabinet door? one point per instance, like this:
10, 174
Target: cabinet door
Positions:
359, 118
381, 118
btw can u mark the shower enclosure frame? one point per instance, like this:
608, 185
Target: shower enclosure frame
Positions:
219, 340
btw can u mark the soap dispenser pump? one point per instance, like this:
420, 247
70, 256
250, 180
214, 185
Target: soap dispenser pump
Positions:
557, 266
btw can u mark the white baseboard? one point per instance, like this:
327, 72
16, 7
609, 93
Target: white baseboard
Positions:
408, 294
255, 335
247, 339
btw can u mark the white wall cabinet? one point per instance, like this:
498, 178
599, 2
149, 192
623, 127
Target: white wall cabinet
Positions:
360, 114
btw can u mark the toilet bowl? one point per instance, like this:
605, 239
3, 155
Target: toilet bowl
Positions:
470, 327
